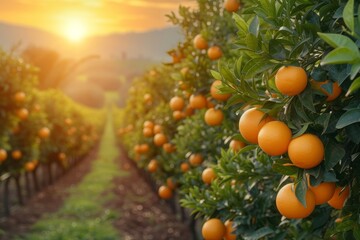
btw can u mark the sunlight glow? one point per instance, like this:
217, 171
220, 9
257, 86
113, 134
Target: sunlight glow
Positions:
75, 30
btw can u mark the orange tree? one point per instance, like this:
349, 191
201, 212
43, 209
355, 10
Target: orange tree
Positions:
276, 68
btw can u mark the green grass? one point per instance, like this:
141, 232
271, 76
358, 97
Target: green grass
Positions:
83, 215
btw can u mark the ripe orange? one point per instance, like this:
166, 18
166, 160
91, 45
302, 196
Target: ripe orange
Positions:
36, 107
189, 111
306, 151
148, 132
147, 98
137, 148
232, 5
152, 166
148, 124
68, 121
169, 148
338, 199
229, 235
208, 175
3, 155
200, 42
236, 145
144, 148
16, 154
178, 115
214, 91
336, 89
274, 138
165, 192
251, 122
184, 167
160, 139
19, 97
62, 156
44, 132
177, 103
196, 159
197, 101
209, 103
22, 113
290, 207
214, 117
157, 129
171, 183
323, 192
213, 229
30, 166
214, 52
291, 80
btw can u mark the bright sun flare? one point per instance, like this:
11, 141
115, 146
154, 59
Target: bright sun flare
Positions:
75, 30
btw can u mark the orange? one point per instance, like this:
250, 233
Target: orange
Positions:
178, 115
189, 111
251, 122
236, 145
208, 175
214, 52
232, 5
16, 154
184, 167
157, 129
209, 103
336, 89
137, 148
68, 121
19, 97
152, 166
323, 192
148, 132
22, 113
144, 148
214, 91
338, 199
177, 103
214, 117
229, 235
30, 166
196, 159
37, 107
197, 101
62, 156
3, 155
306, 151
171, 183
291, 80
290, 207
147, 98
165, 192
169, 148
160, 139
148, 124
44, 132
213, 229
274, 138
200, 42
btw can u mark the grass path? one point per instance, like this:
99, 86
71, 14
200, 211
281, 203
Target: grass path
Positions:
84, 215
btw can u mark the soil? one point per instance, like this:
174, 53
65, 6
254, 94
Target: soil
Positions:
142, 215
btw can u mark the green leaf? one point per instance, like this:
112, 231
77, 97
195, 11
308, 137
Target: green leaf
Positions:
279, 167
302, 130
333, 154
355, 68
306, 99
216, 74
355, 85
300, 191
277, 50
338, 40
356, 231
254, 26
341, 55
348, 15
349, 117
260, 233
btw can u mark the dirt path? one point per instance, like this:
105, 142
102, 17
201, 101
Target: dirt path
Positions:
141, 215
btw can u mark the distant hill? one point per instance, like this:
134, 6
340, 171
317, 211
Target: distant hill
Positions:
147, 45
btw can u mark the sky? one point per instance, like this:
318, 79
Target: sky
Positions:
78, 19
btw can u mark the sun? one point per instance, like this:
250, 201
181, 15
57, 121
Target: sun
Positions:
75, 30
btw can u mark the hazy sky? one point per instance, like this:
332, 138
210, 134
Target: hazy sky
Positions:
80, 18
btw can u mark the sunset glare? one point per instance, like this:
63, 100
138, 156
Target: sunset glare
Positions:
75, 30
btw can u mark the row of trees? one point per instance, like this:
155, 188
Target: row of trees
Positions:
255, 122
